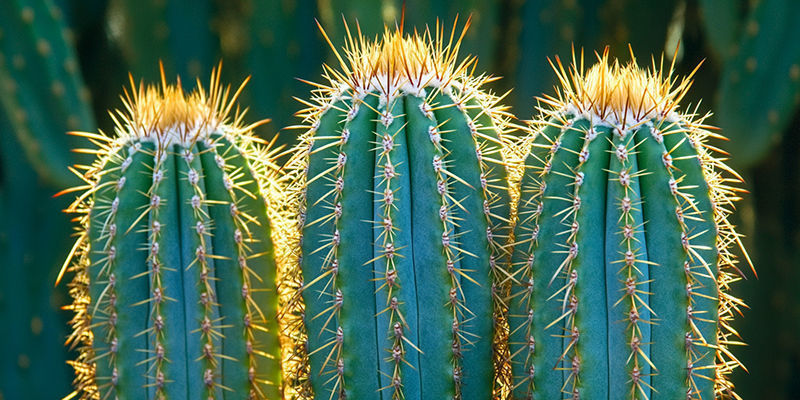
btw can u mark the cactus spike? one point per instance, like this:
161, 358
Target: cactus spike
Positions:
174, 282
621, 190
416, 278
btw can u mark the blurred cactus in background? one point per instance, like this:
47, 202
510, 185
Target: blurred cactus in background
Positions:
62, 63
623, 253
43, 92
41, 96
760, 74
33, 348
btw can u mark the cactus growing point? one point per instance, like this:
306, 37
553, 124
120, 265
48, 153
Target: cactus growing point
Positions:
174, 276
400, 213
624, 249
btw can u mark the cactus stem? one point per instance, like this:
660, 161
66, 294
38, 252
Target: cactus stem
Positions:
401, 124
175, 328
616, 132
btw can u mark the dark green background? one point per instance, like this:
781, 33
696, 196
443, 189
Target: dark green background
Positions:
750, 79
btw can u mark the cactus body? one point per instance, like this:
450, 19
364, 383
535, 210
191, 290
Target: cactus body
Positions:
174, 291
622, 257
401, 210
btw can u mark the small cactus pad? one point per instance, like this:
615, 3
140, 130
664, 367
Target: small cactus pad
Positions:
174, 275
623, 253
399, 193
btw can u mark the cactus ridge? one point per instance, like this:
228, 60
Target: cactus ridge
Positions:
174, 283
407, 310
621, 190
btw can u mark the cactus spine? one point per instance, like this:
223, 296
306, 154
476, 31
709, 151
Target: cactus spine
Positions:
399, 193
174, 287
622, 256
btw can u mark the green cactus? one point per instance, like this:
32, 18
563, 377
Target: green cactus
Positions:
174, 288
258, 34
721, 23
763, 63
400, 213
44, 95
28, 302
623, 246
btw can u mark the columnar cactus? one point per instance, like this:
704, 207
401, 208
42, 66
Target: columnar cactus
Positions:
623, 245
174, 288
44, 93
399, 192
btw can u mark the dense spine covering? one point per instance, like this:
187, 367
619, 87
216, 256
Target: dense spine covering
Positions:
174, 287
398, 216
622, 259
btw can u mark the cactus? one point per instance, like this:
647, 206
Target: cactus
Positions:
258, 34
557, 25
174, 276
623, 254
763, 63
177, 32
28, 303
721, 23
398, 189
43, 89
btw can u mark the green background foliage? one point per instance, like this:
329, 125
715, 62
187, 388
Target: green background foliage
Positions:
63, 64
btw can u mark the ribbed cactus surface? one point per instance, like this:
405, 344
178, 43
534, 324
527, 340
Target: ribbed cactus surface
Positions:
174, 288
622, 260
399, 193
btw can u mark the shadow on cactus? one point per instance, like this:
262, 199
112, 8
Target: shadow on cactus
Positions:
174, 276
399, 214
623, 255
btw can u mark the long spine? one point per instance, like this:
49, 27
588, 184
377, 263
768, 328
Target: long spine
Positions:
175, 292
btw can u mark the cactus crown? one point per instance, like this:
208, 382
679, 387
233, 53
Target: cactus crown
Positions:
167, 115
178, 194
